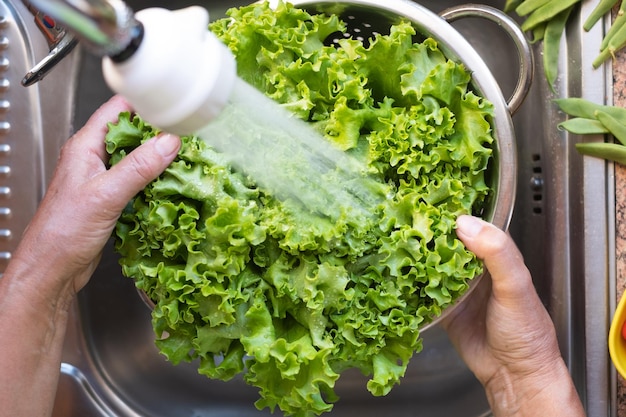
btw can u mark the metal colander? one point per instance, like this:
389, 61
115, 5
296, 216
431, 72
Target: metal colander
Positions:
366, 18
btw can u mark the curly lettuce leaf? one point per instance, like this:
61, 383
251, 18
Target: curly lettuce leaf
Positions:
247, 284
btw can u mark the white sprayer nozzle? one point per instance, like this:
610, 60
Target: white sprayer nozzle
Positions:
181, 76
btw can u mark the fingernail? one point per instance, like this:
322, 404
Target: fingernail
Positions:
167, 144
468, 225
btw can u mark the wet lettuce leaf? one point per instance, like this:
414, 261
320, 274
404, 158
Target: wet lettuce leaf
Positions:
247, 284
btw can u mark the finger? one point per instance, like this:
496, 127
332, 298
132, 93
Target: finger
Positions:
107, 112
97, 126
131, 175
511, 278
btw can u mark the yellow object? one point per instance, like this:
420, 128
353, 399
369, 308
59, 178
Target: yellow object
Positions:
617, 343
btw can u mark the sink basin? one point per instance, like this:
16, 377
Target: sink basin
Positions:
562, 223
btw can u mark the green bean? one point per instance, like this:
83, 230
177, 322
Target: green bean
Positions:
603, 7
528, 6
617, 128
592, 118
617, 41
552, 44
619, 22
539, 32
582, 126
547, 12
615, 38
579, 107
510, 5
610, 151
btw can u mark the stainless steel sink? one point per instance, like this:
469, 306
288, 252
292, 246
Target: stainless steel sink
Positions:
563, 222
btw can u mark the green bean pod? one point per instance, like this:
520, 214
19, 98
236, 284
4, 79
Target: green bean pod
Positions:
511, 5
609, 151
529, 6
579, 107
619, 22
547, 12
617, 128
582, 126
598, 12
539, 32
552, 44
615, 43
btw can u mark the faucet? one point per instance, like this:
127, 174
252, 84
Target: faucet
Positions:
178, 80
106, 27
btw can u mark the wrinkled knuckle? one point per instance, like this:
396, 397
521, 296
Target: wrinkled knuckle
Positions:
141, 166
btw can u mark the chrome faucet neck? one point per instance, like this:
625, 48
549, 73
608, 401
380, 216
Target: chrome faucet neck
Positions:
107, 27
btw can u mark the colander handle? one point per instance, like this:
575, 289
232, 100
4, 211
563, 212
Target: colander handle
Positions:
517, 35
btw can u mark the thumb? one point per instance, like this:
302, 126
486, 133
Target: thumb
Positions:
141, 166
511, 279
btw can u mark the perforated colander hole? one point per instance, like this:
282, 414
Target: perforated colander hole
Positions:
360, 29
356, 29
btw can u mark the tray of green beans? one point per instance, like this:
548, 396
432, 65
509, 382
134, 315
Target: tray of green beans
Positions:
587, 118
546, 20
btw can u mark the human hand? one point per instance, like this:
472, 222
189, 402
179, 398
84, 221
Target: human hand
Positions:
83, 203
505, 335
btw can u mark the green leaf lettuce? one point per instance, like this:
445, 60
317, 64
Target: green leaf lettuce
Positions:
249, 284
